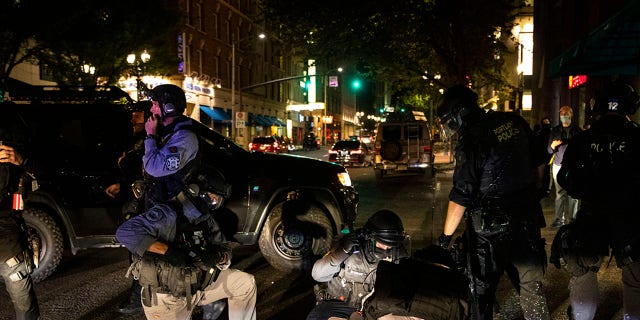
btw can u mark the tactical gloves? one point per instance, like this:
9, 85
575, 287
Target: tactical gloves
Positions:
214, 256
350, 242
347, 245
444, 241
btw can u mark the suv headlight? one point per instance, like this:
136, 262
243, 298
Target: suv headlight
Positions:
344, 179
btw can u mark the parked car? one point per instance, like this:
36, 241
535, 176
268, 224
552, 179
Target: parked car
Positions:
273, 144
350, 152
404, 146
82, 133
310, 142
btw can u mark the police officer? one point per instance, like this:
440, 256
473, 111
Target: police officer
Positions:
494, 188
170, 156
170, 147
15, 260
600, 167
183, 259
348, 270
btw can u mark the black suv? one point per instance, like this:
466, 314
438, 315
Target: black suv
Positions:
82, 133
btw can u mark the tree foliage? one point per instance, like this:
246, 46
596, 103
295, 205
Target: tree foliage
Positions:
417, 46
65, 35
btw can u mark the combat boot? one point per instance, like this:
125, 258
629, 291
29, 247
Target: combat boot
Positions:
134, 303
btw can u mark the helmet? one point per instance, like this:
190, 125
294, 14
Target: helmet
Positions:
618, 97
384, 227
171, 98
457, 103
211, 188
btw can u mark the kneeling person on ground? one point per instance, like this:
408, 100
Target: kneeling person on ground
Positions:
182, 259
348, 270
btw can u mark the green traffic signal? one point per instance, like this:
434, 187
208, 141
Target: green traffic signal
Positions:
356, 84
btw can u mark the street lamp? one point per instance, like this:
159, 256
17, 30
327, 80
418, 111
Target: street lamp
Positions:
326, 104
233, 82
137, 64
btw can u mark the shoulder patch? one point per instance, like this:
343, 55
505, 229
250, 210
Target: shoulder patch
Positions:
172, 162
173, 149
156, 213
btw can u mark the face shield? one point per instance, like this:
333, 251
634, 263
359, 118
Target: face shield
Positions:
449, 125
211, 200
377, 249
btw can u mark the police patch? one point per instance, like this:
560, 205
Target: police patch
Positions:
172, 162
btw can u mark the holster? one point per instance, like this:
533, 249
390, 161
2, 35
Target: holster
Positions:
490, 220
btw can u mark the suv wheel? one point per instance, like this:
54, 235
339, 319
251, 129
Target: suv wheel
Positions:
293, 240
391, 150
48, 238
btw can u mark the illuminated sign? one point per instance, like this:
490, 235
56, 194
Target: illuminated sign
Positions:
575, 81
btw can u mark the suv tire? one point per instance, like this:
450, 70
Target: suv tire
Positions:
295, 242
391, 150
48, 237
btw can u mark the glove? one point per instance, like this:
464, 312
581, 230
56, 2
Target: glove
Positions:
214, 255
350, 242
444, 241
177, 257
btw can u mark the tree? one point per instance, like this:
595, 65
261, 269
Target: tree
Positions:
64, 35
404, 42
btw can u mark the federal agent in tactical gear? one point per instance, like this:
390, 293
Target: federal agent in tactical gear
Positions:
600, 168
349, 268
15, 257
182, 258
494, 187
171, 147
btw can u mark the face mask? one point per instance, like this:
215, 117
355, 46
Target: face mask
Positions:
565, 119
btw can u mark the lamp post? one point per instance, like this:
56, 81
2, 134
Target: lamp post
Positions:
137, 64
326, 105
233, 84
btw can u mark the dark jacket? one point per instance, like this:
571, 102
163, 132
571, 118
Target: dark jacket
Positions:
600, 167
558, 133
496, 159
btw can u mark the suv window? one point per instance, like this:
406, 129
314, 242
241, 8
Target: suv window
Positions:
347, 144
264, 140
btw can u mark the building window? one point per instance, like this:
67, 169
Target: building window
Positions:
216, 67
187, 59
200, 17
228, 30
45, 73
198, 58
214, 23
187, 4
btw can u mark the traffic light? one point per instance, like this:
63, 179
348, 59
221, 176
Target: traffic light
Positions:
304, 84
381, 110
356, 84
402, 109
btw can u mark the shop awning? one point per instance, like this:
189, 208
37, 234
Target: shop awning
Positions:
258, 120
612, 48
216, 114
278, 122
